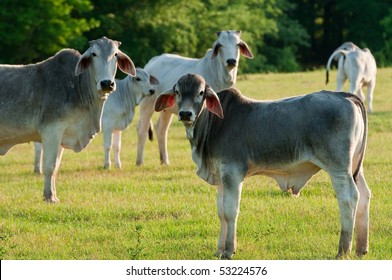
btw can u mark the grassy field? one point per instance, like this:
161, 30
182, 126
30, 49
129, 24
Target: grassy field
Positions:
167, 212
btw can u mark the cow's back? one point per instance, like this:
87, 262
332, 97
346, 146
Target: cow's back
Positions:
278, 132
168, 68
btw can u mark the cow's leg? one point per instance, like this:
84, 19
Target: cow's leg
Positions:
370, 91
146, 112
347, 195
107, 146
37, 158
340, 79
223, 229
117, 148
52, 153
355, 87
162, 129
362, 216
232, 186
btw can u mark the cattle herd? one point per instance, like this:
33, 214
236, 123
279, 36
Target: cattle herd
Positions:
64, 101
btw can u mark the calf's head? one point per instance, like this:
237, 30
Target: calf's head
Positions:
102, 58
228, 47
143, 83
191, 94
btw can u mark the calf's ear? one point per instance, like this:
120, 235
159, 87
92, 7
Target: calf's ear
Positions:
165, 100
213, 103
153, 80
126, 64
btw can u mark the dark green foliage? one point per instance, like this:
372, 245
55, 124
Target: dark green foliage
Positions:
284, 35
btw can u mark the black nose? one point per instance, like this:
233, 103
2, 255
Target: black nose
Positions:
152, 91
231, 62
185, 115
107, 85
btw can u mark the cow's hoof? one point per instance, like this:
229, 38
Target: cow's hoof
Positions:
218, 254
52, 200
227, 256
361, 253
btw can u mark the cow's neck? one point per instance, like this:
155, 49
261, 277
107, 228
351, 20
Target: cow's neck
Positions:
221, 77
127, 97
198, 135
90, 99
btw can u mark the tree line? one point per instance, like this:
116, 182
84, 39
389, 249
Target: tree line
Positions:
284, 35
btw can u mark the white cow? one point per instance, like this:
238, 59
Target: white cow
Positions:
219, 67
359, 67
120, 109
58, 102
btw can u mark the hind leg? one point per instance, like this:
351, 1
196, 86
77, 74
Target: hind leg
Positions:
347, 195
362, 216
340, 79
162, 129
37, 158
146, 112
370, 91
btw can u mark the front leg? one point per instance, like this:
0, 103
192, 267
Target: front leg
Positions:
223, 229
117, 148
52, 153
230, 203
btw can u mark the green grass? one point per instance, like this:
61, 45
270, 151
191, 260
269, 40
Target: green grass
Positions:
167, 212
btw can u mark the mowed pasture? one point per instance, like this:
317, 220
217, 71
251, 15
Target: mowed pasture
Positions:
167, 212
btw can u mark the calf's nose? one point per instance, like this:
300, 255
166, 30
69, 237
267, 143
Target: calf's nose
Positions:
185, 115
152, 91
107, 85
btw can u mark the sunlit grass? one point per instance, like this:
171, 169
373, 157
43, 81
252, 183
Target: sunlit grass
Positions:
167, 212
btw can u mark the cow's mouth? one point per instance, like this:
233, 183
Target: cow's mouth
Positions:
104, 95
187, 122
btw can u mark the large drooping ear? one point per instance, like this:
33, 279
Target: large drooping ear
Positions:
165, 100
153, 80
215, 49
213, 103
245, 50
126, 64
83, 63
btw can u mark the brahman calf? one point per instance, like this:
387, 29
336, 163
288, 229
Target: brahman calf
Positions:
359, 67
120, 109
233, 137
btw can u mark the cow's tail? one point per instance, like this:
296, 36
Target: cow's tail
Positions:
342, 52
361, 107
151, 132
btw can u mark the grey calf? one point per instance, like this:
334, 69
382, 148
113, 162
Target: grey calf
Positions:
233, 137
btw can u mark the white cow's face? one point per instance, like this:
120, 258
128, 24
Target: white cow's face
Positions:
102, 59
227, 48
